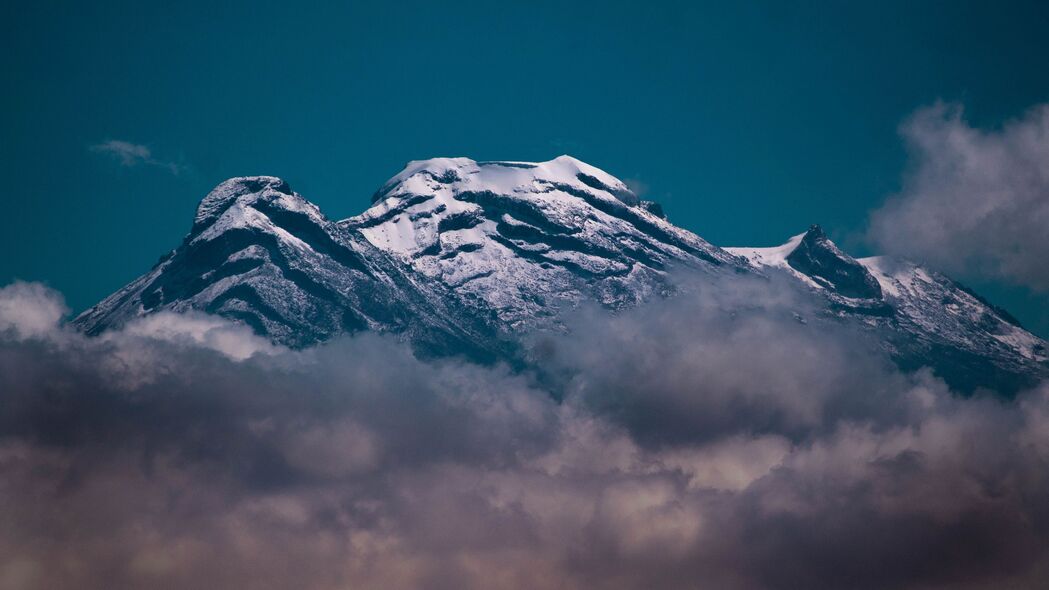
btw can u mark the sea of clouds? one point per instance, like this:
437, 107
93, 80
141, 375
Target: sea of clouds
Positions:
723, 438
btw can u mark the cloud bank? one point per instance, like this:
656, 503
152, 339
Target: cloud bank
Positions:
976, 202
725, 438
133, 154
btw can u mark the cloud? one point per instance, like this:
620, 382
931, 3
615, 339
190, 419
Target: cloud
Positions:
771, 364
637, 186
30, 310
712, 437
976, 202
132, 154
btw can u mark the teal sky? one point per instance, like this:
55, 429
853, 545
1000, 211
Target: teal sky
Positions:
748, 121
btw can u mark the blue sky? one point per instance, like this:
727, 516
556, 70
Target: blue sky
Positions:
749, 122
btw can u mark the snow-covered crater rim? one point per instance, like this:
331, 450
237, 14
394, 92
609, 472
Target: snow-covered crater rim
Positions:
501, 177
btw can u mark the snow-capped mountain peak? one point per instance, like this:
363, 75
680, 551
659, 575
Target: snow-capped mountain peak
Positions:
261, 254
529, 237
929, 318
242, 188
457, 256
502, 177
819, 258
262, 204
816, 260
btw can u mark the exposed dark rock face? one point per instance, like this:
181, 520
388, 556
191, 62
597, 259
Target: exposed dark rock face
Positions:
818, 257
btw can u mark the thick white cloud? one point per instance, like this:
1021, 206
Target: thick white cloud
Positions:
976, 202
30, 310
666, 445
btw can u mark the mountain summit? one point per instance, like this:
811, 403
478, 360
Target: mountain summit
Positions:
458, 256
527, 238
260, 254
817, 257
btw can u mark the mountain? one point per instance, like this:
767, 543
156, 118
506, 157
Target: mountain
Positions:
926, 318
459, 256
261, 254
528, 238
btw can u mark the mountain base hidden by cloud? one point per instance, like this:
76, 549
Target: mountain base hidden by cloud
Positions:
731, 439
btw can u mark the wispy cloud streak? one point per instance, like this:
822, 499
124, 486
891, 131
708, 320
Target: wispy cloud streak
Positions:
131, 154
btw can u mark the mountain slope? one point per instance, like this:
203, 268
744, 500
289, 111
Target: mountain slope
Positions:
261, 254
927, 318
528, 238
